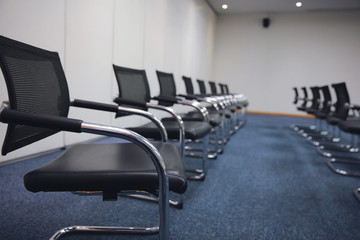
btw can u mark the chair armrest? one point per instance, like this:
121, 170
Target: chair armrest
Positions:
194, 104
178, 120
94, 105
121, 111
40, 120
123, 101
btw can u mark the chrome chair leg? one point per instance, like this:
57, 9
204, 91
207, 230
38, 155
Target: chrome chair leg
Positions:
338, 148
147, 196
200, 172
102, 229
357, 193
332, 161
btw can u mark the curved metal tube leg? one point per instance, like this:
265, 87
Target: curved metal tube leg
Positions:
331, 162
134, 230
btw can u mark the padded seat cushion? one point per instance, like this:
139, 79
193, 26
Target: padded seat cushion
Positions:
350, 126
321, 115
311, 110
301, 108
214, 118
110, 167
333, 120
193, 130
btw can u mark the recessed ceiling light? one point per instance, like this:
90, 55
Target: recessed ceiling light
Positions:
298, 4
224, 6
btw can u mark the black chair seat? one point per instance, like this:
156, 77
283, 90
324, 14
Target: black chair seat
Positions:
311, 110
107, 167
214, 118
301, 108
321, 115
333, 120
350, 126
193, 130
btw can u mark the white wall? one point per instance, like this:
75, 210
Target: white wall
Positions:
299, 49
40, 23
91, 35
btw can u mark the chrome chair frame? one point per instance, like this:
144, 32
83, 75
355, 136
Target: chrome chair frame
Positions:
152, 152
145, 195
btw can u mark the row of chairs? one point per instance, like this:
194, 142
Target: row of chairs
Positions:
148, 165
339, 116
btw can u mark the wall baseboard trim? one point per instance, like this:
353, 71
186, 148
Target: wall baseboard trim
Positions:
281, 114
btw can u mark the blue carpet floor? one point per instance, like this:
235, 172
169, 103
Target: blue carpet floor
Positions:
268, 184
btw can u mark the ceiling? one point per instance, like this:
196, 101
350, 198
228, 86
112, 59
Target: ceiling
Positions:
281, 6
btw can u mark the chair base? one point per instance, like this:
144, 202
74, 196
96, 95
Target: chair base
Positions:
138, 195
331, 162
297, 128
200, 174
103, 229
146, 196
357, 193
337, 148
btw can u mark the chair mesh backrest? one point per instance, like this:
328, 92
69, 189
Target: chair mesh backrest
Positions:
167, 86
315, 97
132, 83
326, 99
342, 95
188, 85
36, 83
213, 87
222, 88
202, 88
296, 95
226, 88
305, 96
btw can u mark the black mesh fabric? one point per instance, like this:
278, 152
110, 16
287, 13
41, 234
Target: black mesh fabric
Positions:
342, 95
226, 89
167, 86
213, 87
188, 85
36, 83
132, 83
222, 88
315, 104
305, 96
201, 86
326, 99
296, 95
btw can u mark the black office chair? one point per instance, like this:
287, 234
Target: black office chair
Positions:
330, 145
305, 99
296, 97
241, 103
351, 126
134, 90
235, 106
38, 107
217, 103
168, 90
314, 107
321, 115
315, 103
